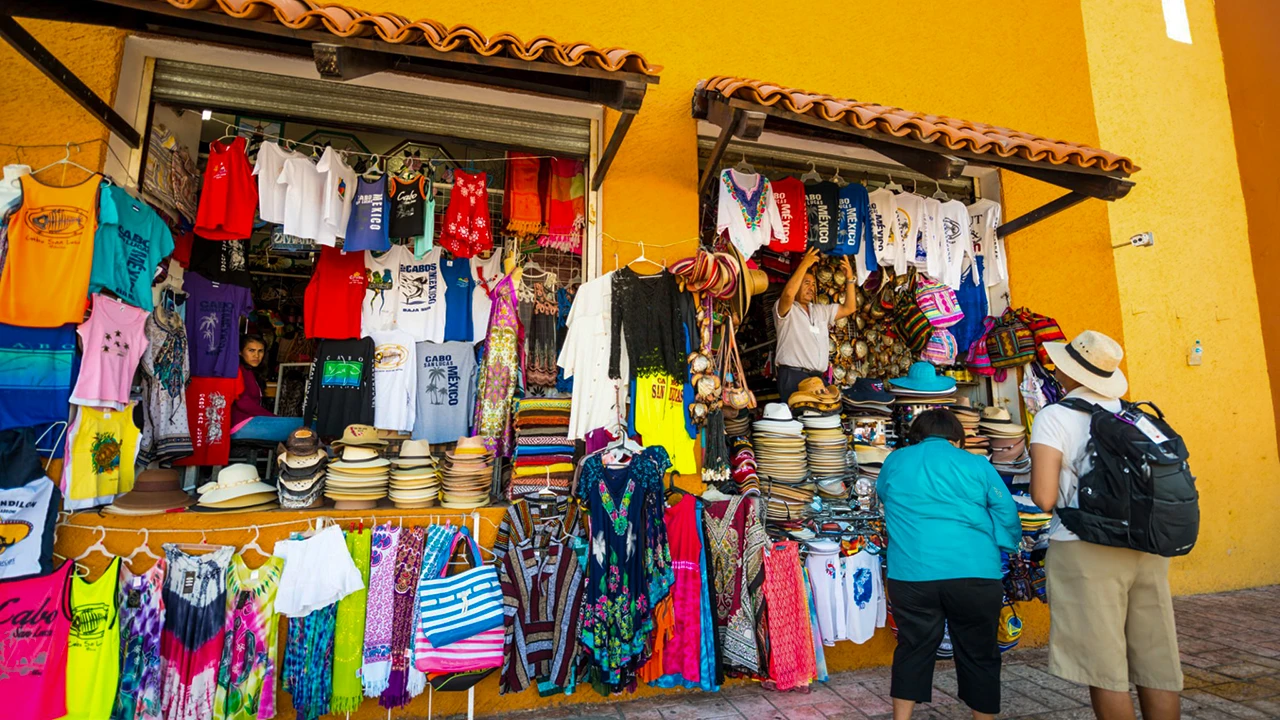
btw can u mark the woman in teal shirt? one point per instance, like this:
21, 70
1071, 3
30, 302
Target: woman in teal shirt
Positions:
948, 516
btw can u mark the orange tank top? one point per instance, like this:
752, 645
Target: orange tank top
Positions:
46, 275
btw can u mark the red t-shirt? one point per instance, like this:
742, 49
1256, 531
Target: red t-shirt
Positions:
331, 309
209, 402
228, 197
789, 194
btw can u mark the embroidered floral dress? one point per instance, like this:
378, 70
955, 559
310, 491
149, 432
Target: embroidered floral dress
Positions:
141, 622
503, 361
629, 566
247, 673
467, 230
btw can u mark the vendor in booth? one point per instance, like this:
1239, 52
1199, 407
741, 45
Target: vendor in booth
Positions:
804, 326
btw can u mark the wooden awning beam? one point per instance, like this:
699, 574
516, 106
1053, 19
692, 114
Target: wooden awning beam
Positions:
627, 99
1049, 209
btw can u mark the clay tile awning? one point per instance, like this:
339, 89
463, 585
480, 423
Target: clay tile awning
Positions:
935, 145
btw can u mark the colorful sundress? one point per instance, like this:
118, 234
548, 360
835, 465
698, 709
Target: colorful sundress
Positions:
737, 540
792, 663
308, 662
141, 603
467, 230
503, 361
247, 673
195, 600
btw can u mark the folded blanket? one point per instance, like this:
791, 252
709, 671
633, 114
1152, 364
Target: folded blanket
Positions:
542, 469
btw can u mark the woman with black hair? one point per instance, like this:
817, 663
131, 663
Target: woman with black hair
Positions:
253, 350
948, 516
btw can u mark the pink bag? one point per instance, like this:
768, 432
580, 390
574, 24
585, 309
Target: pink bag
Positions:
481, 651
938, 302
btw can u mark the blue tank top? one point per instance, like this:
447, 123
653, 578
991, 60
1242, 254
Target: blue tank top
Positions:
368, 228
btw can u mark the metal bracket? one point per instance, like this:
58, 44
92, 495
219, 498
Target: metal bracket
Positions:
339, 62
30, 48
628, 99
1049, 209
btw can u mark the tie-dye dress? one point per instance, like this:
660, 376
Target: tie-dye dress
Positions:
195, 600
247, 672
141, 605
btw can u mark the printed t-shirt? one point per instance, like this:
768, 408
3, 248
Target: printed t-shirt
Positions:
339, 187
382, 294
394, 370
127, 251
660, 413
984, 217
304, 201
26, 526
864, 600
457, 299
39, 363
267, 167
803, 335
793, 211
408, 207
114, 340
928, 240
910, 212
421, 311
445, 391
747, 211
953, 242
213, 318
102, 447
486, 274
209, 402
340, 386
220, 261
228, 198
50, 255
822, 200
884, 213
34, 630
93, 646
367, 228
335, 296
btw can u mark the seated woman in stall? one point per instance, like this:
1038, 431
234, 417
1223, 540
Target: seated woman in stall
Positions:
250, 419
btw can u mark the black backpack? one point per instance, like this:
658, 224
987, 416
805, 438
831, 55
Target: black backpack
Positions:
1139, 493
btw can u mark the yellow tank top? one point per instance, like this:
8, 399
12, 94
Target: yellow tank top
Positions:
93, 647
660, 420
101, 451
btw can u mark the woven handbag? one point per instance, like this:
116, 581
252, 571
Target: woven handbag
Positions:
1010, 342
456, 607
1044, 329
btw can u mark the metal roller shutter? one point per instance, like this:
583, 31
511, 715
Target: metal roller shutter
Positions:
355, 106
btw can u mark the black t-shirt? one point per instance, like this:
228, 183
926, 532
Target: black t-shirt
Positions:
340, 386
408, 206
822, 199
220, 261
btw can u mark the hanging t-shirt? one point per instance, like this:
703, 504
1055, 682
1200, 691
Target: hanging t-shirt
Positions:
267, 166
26, 528
864, 599
747, 211
228, 197
340, 386
339, 187
486, 273
660, 414
382, 293
335, 296
953, 242
367, 228
445, 391
409, 206
50, 254
789, 195
34, 630
884, 212
209, 402
114, 340
101, 450
39, 364
822, 199
421, 310
929, 239
908, 210
853, 231
126, 252
93, 646
394, 370
248, 670
304, 201
984, 217
457, 299
213, 318
221, 261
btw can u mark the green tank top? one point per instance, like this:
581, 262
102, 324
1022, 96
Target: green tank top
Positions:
93, 650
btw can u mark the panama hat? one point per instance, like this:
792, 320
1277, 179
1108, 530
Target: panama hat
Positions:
360, 436
358, 458
234, 481
1093, 360
413, 454
751, 282
997, 421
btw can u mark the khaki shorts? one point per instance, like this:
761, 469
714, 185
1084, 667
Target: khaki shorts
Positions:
1111, 617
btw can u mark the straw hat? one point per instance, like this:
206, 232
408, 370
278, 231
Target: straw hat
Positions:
997, 421
234, 482
360, 436
413, 454
359, 458
751, 282
1093, 360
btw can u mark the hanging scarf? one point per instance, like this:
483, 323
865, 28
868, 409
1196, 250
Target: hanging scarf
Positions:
566, 206
376, 670
308, 662
404, 603
521, 201
348, 643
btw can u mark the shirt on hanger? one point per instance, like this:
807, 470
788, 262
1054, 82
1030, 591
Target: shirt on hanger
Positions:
928, 240
267, 167
421, 311
93, 645
40, 364
209, 401
114, 341
747, 211
102, 447
789, 195
909, 209
853, 228
408, 206
222, 261
214, 311
660, 415
457, 298
864, 599
127, 251
367, 228
822, 200
382, 295
304, 201
486, 274
228, 198
598, 400
339, 188
24, 510
394, 380
445, 391
953, 242
38, 608
984, 217
334, 298
340, 386
884, 212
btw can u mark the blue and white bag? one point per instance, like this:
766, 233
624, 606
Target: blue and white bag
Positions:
460, 606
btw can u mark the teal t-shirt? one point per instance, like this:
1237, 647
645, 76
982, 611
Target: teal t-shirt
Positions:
131, 241
947, 512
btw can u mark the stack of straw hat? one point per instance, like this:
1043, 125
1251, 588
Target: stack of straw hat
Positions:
778, 440
300, 471
415, 476
466, 475
358, 479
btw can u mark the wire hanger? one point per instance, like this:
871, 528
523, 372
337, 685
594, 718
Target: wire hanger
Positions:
66, 160
893, 186
813, 175
144, 548
938, 194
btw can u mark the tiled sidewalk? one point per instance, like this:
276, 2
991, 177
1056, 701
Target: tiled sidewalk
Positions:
1230, 646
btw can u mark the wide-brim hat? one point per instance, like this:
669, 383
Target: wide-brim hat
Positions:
234, 481
923, 377
751, 282
302, 442
781, 427
156, 490
997, 421
870, 454
253, 499
473, 445
1093, 360
360, 436
414, 453
820, 390
303, 462
867, 390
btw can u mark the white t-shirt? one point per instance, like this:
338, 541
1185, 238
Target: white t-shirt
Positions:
803, 335
339, 190
864, 596
395, 379
1067, 431
422, 302
303, 200
318, 572
598, 401
826, 575
26, 505
486, 273
382, 296
884, 212
927, 240
953, 242
732, 216
910, 210
271, 194
984, 217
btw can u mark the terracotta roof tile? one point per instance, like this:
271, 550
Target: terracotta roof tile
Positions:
350, 22
948, 132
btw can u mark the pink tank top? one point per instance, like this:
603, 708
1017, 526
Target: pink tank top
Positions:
35, 621
114, 337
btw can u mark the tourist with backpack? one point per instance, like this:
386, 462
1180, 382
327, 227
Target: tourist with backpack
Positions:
1116, 478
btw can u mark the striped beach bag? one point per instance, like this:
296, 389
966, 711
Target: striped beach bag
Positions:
457, 607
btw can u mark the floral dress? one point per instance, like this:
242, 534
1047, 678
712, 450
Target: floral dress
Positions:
629, 567
141, 622
467, 230
247, 673
503, 360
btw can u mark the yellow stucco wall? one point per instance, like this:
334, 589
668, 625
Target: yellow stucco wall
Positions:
1166, 103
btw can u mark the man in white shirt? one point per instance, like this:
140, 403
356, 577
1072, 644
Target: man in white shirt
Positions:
1111, 614
804, 326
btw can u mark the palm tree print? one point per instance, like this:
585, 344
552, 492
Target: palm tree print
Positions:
209, 329
436, 385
